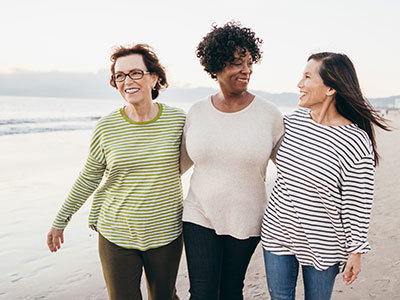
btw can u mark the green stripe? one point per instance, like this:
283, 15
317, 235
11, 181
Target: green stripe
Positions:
140, 198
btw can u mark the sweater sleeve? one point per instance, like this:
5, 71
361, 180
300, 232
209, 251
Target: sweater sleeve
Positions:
185, 161
357, 198
275, 149
278, 135
87, 181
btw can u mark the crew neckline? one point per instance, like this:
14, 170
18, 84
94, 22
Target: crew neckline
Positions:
231, 113
308, 116
160, 109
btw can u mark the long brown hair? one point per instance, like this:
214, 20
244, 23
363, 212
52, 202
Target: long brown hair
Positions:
338, 72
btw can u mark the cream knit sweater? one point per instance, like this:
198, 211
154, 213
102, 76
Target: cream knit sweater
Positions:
229, 153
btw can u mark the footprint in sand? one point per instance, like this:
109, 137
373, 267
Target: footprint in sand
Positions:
77, 279
15, 277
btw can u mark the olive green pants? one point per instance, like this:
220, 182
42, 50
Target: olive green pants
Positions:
122, 269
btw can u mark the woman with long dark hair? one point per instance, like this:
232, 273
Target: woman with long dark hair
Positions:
319, 211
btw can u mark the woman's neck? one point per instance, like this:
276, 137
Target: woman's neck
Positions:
327, 114
142, 112
231, 102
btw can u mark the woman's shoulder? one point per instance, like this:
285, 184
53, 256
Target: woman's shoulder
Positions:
298, 112
199, 106
297, 115
172, 110
264, 106
358, 138
200, 103
110, 117
108, 121
264, 103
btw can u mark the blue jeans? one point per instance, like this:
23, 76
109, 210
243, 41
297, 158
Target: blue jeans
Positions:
217, 264
282, 271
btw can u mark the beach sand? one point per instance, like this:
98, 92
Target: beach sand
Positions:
38, 171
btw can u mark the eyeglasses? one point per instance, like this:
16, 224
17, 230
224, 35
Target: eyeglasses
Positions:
135, 74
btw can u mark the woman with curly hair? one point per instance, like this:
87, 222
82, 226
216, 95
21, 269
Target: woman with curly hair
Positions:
137, 210
228, 138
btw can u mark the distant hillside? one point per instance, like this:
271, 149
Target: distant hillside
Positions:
283, 99
90, 85
57, 84
390, 102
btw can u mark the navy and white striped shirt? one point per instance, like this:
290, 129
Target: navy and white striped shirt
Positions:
320, 206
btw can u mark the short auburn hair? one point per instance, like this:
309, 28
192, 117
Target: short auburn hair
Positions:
150, 59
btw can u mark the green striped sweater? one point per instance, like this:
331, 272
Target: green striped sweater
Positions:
139, 202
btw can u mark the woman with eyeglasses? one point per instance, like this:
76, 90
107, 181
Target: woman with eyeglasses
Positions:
228, 138
137, 210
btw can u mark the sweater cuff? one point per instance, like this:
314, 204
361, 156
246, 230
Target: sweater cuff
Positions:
357, 247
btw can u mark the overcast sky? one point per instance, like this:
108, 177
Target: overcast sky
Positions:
78, 36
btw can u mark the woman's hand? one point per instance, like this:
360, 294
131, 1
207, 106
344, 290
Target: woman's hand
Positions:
353, 268
55, 238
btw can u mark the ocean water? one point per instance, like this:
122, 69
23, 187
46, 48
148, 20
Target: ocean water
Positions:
25, 115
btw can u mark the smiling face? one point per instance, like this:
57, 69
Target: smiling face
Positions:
313, 91
134, 91
234, 78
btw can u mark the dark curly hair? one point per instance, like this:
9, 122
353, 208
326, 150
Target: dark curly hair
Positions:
150, 60
220, 44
